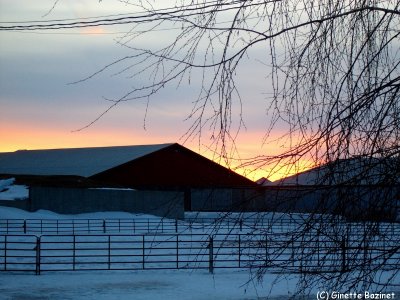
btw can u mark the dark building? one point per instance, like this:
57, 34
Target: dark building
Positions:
162, 167
172, 167
361, 188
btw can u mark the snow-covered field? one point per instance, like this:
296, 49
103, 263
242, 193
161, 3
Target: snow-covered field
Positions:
140, 284
146, 284
149, 284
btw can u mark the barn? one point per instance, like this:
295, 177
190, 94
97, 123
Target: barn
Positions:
160, 167
360, 188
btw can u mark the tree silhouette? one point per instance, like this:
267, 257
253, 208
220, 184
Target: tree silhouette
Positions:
334, 71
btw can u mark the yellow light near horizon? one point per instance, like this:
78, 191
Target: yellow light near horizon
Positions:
28, 137
25, 137
278, 172
253, 152
272, 173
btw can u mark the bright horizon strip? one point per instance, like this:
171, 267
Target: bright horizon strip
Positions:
23, 138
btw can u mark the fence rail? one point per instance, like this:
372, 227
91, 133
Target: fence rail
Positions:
277, 252
163, 225
38, 245
87, 226
131, 226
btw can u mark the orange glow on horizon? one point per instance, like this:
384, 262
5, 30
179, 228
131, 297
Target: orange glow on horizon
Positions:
93, 30
273, 173
28, 137
252, 172
279, 172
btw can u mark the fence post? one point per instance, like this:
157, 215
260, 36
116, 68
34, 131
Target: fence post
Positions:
266, 250
177, 251
5, 253
74, 253
211, 255
239, 249
241, 224
104, 226
24, 226
109, 252
143, 251
176, 225
37, 248
291, 243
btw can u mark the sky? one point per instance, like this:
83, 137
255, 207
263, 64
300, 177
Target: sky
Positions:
40, 109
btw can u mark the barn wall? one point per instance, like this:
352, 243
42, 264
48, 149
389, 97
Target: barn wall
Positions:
73, 201
211, 199
21, 204
352, 202
228, 199
173, 167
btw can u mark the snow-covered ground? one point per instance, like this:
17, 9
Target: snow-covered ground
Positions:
149, 284
15, 213
146, 284
10, 191
141, 284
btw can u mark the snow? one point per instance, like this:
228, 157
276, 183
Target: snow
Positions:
75, 161
113, 189
15, 213
142, 284
5, 183
9, 191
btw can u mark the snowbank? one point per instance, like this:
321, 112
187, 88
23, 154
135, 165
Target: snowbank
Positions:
11, 192
15, 213
5, 183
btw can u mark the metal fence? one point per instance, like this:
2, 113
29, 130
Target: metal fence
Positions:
87, 226
146, 225
277, 252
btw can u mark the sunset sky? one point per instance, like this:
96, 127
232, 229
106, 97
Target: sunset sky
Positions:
40, 110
